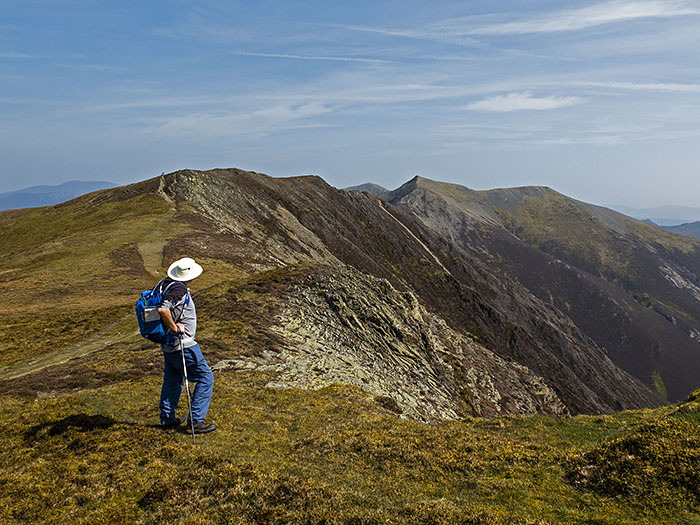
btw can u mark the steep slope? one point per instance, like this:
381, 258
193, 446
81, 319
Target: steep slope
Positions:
631, 287
338, 325
360, 231
84, 261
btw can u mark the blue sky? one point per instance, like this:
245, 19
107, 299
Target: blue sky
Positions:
597, 99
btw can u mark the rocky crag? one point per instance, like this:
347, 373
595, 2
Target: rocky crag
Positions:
339, 325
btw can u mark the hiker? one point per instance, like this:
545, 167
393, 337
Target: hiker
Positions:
179, 317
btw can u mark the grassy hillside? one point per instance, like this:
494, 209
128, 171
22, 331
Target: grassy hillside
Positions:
627, 285
79, 389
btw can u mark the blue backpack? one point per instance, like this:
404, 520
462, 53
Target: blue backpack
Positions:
148, 317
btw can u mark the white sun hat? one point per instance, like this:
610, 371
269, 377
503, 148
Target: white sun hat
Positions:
184, 270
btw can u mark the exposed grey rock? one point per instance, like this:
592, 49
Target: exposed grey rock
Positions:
343, 326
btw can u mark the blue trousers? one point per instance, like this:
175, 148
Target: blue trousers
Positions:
198, 371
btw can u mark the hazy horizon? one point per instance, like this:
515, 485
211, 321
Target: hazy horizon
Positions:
598, 101
663, 215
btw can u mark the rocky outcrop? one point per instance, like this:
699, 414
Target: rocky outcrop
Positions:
339, 325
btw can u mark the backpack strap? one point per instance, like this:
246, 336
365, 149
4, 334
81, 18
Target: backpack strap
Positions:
158, 285
167, 287
187, 297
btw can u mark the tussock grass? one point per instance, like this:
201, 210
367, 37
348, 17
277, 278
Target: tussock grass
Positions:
659, 461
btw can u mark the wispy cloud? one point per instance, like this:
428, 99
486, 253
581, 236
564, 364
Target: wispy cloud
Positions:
12, 55
282, 113
520, 102
27, 101
151, 102
99, 68
467, 30
307, 57
258, 122
669, 87
445, 31
575, 19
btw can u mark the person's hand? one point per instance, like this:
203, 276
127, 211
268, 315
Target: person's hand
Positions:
180, 329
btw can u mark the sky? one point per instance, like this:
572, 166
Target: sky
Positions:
599, 100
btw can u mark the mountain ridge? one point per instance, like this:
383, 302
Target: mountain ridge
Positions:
579, 244
245, 223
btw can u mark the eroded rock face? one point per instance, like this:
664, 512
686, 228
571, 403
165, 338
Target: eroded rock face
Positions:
342, 326
241, 222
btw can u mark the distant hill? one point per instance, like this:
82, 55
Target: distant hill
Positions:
48, 195
661, 215
374, 189
691, 229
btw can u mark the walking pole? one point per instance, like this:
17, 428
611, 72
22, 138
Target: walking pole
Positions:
187, 387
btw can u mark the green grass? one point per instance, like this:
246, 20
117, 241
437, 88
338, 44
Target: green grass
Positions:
59, 257
28, 337
73, 273
336, 456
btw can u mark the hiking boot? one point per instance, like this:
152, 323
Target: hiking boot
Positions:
202, 428
172, 423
